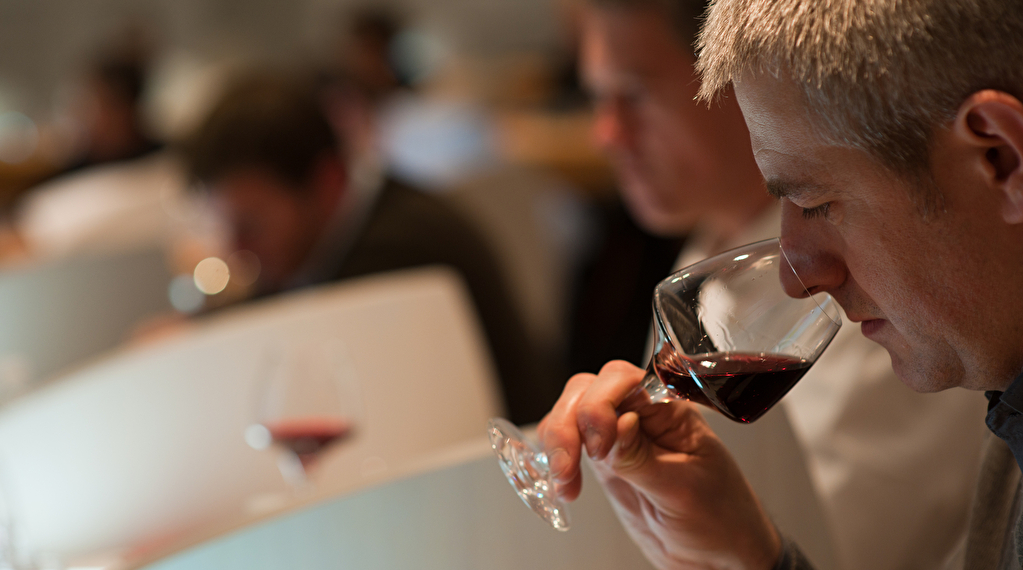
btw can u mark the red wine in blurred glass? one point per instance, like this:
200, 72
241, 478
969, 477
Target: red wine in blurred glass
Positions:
307, 437
741, 385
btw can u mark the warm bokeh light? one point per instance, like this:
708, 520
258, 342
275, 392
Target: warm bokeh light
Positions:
211, 275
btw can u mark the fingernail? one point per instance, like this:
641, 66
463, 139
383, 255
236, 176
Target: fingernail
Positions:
559, 462
593, 442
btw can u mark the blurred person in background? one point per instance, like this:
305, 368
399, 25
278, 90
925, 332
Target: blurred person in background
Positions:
874, 447
367, 52
119, 187
108, 104
361, 76
619, 262
276, 170
405, 116
609, 312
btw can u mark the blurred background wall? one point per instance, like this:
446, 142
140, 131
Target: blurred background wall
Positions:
44, 42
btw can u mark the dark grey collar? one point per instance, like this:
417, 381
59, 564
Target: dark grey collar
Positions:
1005, 416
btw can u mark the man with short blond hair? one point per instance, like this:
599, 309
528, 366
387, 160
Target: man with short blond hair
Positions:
892, 133
687, 168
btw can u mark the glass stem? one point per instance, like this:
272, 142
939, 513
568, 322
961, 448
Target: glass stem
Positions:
654, 389
294, 472
650, 391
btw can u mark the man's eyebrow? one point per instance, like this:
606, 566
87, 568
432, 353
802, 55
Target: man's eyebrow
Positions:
789, 189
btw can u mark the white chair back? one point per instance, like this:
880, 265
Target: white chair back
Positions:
149, 443
111, 207
55, 314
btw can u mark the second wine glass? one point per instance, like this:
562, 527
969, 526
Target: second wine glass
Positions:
307, 401
726, 336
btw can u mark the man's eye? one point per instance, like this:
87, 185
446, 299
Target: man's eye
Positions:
817, 212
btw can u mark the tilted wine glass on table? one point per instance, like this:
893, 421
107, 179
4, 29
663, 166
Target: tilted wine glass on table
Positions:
308, 401
726, 335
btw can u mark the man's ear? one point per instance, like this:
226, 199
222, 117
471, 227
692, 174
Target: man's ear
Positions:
992, 123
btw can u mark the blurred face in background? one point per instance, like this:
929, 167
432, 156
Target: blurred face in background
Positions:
274, 219
108, 117
678, 162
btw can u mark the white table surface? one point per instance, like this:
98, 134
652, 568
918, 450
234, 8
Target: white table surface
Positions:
463, 516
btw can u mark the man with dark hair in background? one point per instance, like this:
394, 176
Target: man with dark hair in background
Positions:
872, 444
275, 168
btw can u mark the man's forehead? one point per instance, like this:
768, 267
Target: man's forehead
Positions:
786, 145
774, 117
607, 65
634, 40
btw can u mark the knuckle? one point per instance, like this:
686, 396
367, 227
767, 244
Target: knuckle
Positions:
616, 367
579, 382
591, 413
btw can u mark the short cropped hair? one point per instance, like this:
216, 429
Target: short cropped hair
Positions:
684, 15
877, 75
272, 122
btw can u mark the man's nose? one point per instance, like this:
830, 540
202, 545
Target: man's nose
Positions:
815, 266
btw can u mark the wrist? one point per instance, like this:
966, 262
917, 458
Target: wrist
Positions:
771, 552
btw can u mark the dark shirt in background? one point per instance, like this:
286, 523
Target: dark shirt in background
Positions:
612, 310
408, 228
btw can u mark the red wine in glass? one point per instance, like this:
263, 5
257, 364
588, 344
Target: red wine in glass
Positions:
307, 401
743, 386
307, 437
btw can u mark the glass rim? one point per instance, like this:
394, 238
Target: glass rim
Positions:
821, 299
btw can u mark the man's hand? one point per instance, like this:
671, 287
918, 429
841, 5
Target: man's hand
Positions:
675, 487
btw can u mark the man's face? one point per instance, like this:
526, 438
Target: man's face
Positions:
266, 216
931, 289
675, 159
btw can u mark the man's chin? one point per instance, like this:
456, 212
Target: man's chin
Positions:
921, 379
654, 217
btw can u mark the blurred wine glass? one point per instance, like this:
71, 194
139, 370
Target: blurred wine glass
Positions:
307, 402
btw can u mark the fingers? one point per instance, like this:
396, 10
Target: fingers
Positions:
560, 437
585, 414
631, 449
596, 415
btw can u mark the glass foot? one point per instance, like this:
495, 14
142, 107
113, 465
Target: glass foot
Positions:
526, 468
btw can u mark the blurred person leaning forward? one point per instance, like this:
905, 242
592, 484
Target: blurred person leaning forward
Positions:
274, 169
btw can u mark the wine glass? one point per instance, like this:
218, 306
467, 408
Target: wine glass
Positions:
308, 402
726, 335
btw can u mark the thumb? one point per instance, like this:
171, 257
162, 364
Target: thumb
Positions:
631, 449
